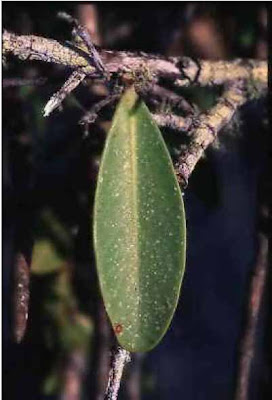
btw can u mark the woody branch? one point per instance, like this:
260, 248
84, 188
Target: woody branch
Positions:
182, 71
179, 71
205, 128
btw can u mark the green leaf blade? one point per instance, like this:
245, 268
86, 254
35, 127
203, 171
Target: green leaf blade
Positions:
139, 228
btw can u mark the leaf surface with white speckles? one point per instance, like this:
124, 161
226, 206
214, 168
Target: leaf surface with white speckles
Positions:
139, 228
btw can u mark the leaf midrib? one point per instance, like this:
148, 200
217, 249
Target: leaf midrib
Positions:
135, 204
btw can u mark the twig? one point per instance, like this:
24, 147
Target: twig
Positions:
173, 122
15, 82
21, 296
90, 116
205, 128
34, 48
119, 359
85, 36
181, 71
88, 17
73, 374
255, 298
30, 47
161, 94
55, 101
165, 120
82, 37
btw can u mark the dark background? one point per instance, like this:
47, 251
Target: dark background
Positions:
49, 175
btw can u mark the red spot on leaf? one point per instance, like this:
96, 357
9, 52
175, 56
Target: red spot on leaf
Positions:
118, 328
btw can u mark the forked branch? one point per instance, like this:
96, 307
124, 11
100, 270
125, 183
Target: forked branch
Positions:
181, 71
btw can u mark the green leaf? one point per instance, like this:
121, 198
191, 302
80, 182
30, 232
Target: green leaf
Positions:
139, 228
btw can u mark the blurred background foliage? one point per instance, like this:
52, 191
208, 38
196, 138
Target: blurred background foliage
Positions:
49, 175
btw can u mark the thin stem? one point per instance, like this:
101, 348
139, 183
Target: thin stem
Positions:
55, 101
21, 296
256, 293
16, 82
118, 361
91, 116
